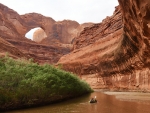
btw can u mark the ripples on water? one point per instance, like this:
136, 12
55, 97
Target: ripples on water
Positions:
106, 104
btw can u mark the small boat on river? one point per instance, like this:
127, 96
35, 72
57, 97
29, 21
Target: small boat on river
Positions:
93, 100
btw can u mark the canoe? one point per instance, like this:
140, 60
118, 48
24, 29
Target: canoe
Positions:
95, 101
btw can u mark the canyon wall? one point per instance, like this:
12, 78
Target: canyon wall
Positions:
113, 54
115, 58
94, 45
6, 47
58, 41
63, 32
13, 28
100, 30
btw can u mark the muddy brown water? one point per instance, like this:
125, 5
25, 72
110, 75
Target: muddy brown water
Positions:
107, 103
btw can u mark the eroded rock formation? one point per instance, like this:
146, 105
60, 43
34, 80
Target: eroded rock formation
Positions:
39, 35
112, 58
13, 28
93, 44
64, 32
97, 31
113, 54
7, 48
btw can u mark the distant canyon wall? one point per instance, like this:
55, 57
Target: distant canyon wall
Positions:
63, 32
58, 40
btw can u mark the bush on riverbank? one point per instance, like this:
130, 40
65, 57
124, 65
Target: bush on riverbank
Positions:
24, 83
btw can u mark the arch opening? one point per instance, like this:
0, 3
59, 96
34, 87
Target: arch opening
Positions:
36, 34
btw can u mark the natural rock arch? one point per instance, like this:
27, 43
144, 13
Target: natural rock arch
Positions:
63, 31
36, 34
34, 20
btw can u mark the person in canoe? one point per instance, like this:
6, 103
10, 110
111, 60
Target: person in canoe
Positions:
93, 100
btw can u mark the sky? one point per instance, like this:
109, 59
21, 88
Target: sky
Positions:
79, 10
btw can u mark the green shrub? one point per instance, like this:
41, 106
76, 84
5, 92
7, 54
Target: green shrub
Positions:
26, 82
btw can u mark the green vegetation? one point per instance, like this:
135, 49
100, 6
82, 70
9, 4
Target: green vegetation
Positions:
24, 83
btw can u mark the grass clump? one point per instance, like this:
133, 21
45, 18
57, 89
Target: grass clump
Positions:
24, 83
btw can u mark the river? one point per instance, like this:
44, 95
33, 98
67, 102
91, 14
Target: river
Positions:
108, 102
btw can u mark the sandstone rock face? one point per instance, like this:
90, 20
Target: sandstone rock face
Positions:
67, 29
62, 31
13, 28
82, 26
91, 34
11, 24
117, 60
137, 81
7, 48
92, 45
39, 35
34, 20
113, 54
138, 34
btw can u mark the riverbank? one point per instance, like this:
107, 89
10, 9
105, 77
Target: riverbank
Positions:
26, 84
131, 96
142, 97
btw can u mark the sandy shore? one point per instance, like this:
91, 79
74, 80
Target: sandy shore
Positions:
131, 96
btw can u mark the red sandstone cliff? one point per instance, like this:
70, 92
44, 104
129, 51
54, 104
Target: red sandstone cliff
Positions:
93, 44
112, 54
113, 57
13, 28
97, 31
64, 32
8, 49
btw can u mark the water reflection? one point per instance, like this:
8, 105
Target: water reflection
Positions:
105, 104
